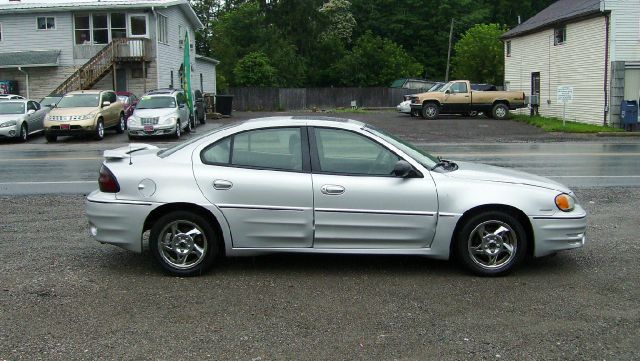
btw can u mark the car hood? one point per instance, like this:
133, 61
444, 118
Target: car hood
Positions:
73, 111
151, 113
489, 173
5, 117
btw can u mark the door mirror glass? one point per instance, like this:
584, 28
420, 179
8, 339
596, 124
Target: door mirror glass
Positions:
447, 91
106, 103
30, 111
403, 169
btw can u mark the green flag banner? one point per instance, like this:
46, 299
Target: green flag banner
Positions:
186, 75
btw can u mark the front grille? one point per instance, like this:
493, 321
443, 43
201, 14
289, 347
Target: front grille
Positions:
149, 121
64, 118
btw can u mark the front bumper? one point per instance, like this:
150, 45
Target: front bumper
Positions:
117, 222
404, 107
139, 131
10, 132
553, 234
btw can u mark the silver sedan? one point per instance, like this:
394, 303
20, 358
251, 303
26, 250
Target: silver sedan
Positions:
324, 185
21, 118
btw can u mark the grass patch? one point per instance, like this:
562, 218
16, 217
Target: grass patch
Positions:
555, 125
347, 110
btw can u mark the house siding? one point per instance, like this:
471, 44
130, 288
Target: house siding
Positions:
172, 52
625, 29
579, 62
208, 72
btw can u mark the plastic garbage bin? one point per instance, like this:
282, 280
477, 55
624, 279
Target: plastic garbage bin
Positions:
224, 104
629, 112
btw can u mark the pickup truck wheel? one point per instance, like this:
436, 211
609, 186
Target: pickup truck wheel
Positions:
430, 111
500, 111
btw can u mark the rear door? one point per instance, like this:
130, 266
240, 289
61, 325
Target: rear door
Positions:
260, 180
358, 203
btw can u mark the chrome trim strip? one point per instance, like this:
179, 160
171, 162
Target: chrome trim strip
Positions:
376, 211
559, 218
444, 214
257, 207
135, 203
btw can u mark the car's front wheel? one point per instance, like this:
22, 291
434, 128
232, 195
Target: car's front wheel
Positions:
491, 243
183, 243
430, 111
122, 125
24, 133
99, 131
178, 132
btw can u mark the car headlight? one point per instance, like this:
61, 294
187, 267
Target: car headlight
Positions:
87, 116
10, 123
132, 120
169, 120
565, 202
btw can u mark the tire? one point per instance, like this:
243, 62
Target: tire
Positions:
472, 114
190, 126
194, 122
51, 138
24, 133
99, 131
178, 132
500, 111
413, 113
499, 251
122, 125
430, 111
204, 118
189, 249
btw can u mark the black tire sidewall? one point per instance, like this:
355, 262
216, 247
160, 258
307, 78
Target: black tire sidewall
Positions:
424, 113
122, 124
496, 107
24, 132
462, 236
96, 134
212, 252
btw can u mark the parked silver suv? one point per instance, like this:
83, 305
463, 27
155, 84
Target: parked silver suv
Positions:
160, 112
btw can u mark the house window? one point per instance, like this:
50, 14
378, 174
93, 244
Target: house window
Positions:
136, 71
508, 45
118, 25
0, 32
559, 35
100, 29
163, 31
82, 24
138, 25
46, 23
180, 37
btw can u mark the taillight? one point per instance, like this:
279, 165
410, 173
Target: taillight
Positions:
107, 181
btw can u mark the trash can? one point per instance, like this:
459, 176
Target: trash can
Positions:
629, 112
224, 104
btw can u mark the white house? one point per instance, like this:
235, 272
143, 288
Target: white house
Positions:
588, 47
60, 45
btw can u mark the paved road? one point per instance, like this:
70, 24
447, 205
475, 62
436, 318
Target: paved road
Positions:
72, 167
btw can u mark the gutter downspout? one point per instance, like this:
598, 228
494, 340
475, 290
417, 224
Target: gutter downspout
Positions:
606, 69
27, 79
155, 46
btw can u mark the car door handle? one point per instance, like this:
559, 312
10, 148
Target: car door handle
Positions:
333, 190
222, 184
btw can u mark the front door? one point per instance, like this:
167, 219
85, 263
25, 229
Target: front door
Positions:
458, 100
121, 80
359, 204
261, 183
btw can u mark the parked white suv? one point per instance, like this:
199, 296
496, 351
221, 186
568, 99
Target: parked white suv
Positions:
160, 112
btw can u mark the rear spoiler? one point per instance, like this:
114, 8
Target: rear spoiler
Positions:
124, 152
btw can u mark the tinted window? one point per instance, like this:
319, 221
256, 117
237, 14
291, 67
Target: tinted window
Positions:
218, 153
345, 152
31, 106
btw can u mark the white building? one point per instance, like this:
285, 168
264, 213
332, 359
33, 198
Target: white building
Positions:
591, 47
127, 45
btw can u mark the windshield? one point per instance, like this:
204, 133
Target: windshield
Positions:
445, 87
156, 103
422, 157
11, 108
50, 100
79, 100
436, 87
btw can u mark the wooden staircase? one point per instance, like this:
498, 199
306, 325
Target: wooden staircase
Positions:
89, 74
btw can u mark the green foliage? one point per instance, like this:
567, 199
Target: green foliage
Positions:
479, 55
555, 125
255, 70
375, 61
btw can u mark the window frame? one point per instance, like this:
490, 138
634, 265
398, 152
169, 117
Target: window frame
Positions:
110, 24
162, 32
556, 30
315, 157
1, 34
94, 29
130, 28
508, 48
55, 22
304, 140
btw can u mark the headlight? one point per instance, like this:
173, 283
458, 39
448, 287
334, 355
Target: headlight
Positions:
132, 120
10, 123
565, 202
169, 120
87, 116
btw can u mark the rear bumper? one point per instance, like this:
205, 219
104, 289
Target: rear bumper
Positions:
117, 222
553, 234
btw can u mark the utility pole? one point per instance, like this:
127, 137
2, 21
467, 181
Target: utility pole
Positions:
446, 76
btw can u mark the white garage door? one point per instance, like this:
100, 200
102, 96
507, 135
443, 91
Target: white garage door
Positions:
631, 84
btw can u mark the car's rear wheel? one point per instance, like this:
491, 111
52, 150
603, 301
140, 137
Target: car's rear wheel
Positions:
183, 243
24, 132
430, 111
491, 243
204, 118
122, 125
500, 111
99, 131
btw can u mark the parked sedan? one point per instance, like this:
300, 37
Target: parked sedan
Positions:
324, 185
21, 118
129, 100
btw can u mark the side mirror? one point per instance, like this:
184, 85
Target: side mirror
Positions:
106, 103
30, 111
403, 169
52, 105
448, 91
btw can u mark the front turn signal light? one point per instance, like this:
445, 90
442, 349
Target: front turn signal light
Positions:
565, 202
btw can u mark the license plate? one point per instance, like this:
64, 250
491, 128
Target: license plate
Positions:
148, 128
64, 126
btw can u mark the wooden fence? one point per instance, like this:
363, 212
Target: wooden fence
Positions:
270, 99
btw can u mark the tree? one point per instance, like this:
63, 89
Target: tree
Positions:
479, 55
376, 61
255, 70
